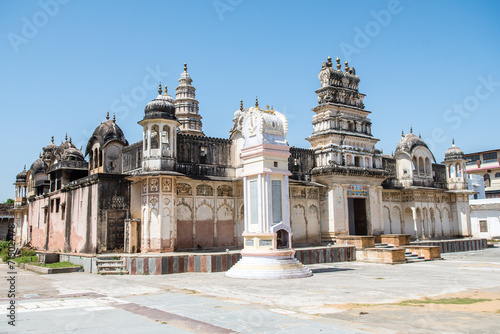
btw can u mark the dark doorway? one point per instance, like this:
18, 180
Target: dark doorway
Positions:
116, 229
282, 237
357, 216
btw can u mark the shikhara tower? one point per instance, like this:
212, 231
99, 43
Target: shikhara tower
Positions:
186, 106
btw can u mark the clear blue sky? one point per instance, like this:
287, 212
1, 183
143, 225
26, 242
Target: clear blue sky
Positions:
63, 66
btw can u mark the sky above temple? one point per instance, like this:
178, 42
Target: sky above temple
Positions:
432, 65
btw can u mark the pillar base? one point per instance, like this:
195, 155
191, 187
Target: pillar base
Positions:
268, 264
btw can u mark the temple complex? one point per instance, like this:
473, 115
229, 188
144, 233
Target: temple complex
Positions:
177, 189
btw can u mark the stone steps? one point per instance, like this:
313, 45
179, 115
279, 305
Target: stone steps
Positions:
111, 266
409, 257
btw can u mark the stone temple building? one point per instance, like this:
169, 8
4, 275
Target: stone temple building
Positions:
178, 189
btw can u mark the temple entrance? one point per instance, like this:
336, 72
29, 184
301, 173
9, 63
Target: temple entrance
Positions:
358, 224
116, 229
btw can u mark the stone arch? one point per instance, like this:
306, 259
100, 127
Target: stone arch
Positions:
418, 217
204, 225
154, 230
155, 137
166, 228
225, 225
313, 224
425, 223
184, 225
446, 221
387, 220
427, 166
439, 223
397, 221
145, 229
298, 223
432, 223
409, 222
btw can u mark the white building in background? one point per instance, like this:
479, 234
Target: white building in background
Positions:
486, 164
485, 218
476, 183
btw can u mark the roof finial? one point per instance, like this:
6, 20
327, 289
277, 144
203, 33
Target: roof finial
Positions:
256, 102
272, 110
70, 140
402, 133
329, 61
114, 118
392, 153
338, 64
107, 115
267, 108
185, 67
453, 141
25, 168
66, 136
40, 155
419, 135
411, 128
159, 89
52, 140
165, 90
241, 104
346, 68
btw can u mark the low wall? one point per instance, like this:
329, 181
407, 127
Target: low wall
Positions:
457, 245
218, 262
326, 254
175, 264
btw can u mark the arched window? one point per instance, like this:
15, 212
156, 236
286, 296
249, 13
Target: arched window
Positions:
451, 172
487, 181
421, 168
155, 140
91, 160
414, 164
497, 174
100, 158
459, 170
165, 137
96, 158
427, 166
145, 139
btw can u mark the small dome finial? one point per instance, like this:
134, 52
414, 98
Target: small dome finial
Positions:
267, 108
419, 135
70, 140
165, 90
114, 118
66, 136
159, 89
329, 61
241, 104
107, 115
411, 128
272, 110
52, 140
185, 67
338, 63
346, 68
256, 102
402, 133
453, 141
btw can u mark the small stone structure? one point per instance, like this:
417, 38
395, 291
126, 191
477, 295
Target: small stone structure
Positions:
267, 252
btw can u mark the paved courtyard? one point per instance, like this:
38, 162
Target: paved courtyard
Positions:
340, 298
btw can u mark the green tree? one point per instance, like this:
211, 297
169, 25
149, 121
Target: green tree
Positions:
9, 201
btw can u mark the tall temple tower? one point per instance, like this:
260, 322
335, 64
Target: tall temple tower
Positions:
345, 154
341, 127
186, 106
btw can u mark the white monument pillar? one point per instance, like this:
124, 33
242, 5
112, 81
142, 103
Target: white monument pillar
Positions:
267, 252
